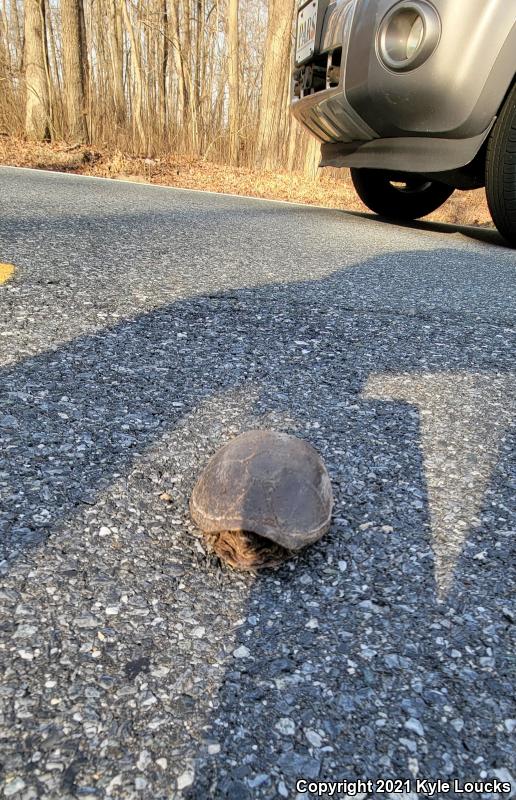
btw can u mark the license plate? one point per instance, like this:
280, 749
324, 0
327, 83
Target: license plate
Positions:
306, 31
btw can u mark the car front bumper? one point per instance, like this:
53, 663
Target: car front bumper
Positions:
432, 118
327, 114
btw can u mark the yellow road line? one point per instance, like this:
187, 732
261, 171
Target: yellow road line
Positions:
6, 272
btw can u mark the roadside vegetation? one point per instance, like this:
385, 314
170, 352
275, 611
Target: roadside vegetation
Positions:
191, 93
330, 188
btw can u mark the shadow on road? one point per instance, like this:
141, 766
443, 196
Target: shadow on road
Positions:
476, 232
355, 630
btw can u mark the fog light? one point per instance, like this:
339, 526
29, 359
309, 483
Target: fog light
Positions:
415, 36
408, 35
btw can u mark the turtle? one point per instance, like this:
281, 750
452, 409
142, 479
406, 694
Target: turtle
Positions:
263, 496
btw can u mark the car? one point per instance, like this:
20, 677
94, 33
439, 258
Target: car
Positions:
417, 98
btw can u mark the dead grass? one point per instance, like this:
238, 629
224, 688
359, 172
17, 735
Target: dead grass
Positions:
331, 188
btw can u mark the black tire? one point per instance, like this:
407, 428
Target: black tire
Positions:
399, 197
501, 170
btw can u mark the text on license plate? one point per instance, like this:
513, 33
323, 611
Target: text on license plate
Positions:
306, 31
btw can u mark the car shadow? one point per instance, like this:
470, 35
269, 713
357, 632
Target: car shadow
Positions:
485, 235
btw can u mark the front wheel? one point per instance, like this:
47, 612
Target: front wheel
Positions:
399, 197
501, 170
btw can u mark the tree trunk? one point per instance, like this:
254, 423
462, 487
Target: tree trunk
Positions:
312, 157
74, 69
138, 78
198, 52
86, 68
164, 69
271, 145
116, 49
37, 106
7, 96
233, 80
179, 65
18, 27
192, 111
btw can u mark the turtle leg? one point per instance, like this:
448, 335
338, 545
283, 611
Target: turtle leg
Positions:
245, 550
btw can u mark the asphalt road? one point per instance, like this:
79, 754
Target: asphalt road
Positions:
141, 329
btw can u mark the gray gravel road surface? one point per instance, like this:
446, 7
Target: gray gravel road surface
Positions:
143, 328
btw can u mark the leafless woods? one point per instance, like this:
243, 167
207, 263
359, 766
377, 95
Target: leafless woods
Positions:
206, 77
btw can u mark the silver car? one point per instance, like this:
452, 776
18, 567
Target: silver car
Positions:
418, 98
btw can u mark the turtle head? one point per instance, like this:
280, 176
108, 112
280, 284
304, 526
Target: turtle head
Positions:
245, 550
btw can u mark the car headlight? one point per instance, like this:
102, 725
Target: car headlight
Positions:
408, 35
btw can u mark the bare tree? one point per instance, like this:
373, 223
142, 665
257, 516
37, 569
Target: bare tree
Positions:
272, 141
37, 104
74, 68
205, 77
165, 49
5, 75
137, 74
174, 37
116, 50
190, 50
233, 81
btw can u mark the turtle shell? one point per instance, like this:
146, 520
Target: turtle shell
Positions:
267, 483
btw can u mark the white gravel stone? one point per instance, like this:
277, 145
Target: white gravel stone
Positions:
13, 787
27, 655
86, 621
242, 652
144, 760
286, 726
114, 782
313, 737
413, 765
414, 725
24, 631
185, 779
